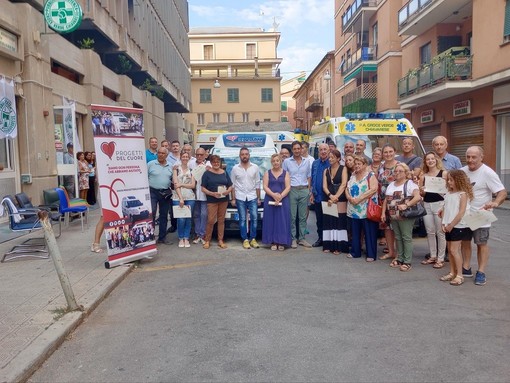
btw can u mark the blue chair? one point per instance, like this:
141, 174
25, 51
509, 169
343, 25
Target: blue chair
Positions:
66, 210
24, 220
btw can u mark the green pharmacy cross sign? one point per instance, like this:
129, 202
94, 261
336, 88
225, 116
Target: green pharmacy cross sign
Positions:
63, 16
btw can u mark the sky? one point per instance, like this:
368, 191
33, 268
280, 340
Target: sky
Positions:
306, 26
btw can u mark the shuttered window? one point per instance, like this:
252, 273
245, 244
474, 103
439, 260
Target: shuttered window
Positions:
464, 134
427, 134
506, 32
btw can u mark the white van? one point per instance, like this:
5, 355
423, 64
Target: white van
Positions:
261, 147
376, 129
134, 209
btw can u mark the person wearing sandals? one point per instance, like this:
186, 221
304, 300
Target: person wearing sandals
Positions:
456, 205
384, 177
276, 220
361, 187
394, 203
183, 194
433, 167
334, 235
216, 185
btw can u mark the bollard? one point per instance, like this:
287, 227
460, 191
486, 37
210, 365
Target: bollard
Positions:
54, 252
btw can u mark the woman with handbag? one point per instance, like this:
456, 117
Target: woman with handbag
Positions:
361, 192
394, 206
334, 182
183, 194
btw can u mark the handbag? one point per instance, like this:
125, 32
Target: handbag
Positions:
415, 211
374, 210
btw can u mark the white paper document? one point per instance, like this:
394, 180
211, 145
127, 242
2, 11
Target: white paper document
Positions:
198, 172
274, 203
181, 212
435, 185
478, 218
329, 210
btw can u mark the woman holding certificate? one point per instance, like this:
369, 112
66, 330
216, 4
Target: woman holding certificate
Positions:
334, 182
183, 199
432, 188
276, 220
216, 185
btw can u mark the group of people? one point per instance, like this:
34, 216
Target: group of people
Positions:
341, 190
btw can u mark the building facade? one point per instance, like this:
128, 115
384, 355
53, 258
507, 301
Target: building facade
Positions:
315, 97
124, 53
235, 76
288, 90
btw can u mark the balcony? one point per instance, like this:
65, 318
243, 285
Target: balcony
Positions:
363, 99
298, 117
361, 57
234, 73
418, 16
313, 103
444, 69
350, 17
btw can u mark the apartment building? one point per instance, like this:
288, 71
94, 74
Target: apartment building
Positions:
123, 53
455, 77
235, 77
289, 88
314, 98
442, 62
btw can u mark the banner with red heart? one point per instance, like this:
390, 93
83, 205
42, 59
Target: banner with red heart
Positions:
108, 148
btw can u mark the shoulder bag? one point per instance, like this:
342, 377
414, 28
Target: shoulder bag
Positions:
415, 211
374, 210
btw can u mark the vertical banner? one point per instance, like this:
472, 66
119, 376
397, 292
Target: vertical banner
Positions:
123, 183
8, 116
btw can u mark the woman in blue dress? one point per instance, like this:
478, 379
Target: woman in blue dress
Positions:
276, 220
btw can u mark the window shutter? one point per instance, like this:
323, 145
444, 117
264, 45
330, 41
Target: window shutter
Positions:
506, 31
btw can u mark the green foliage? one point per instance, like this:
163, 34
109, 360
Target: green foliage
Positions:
125, 65
86, 43
363, 105
155, 89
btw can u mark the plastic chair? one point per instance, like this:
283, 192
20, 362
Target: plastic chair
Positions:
65, 209
24, 220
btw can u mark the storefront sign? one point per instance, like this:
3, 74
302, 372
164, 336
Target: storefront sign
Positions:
427, 116
462, 108
8, 41
8, 116
123, 183
63, 16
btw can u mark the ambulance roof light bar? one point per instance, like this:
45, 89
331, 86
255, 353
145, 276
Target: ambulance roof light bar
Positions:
379, 116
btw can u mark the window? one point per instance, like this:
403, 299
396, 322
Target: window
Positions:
267, 95
425, 54
208, 52
231, 117
267, 120
283, 106
200, 119
246, 117
205, 96
6, 159
506, 30
251, 51
375, 34
216, 117
284, 119
233, 94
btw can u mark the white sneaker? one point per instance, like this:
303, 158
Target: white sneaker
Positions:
181, 242
186, 243
294, 244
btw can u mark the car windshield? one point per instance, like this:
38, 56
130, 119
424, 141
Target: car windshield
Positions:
133, 203
374, 141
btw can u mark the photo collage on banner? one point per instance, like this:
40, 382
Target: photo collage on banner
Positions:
123, 183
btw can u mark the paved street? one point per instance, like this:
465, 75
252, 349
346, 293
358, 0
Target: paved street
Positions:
257, 315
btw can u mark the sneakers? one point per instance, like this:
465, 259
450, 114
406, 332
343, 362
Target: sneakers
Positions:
254, 243
186, 243
304, 243
467, 273
480, 279
181, 242
246, 244
294, 244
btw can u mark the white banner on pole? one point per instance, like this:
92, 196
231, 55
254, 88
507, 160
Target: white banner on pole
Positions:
8, 116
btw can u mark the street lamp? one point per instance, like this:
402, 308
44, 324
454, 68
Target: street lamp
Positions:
217, 83
327, 76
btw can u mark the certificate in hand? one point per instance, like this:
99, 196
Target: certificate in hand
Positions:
181, 212
478, 218
435, 185
329, 210
198, 172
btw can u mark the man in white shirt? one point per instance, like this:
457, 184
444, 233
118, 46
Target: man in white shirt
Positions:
245, 177
485, 183
200, 208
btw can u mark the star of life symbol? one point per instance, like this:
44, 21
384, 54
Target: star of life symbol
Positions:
401, 127
281, 137
7, 117
350, 127
63, 15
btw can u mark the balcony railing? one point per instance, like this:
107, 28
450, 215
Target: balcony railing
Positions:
367, 90
298, 116
440, 70
243, 73
354, 9
412, 9
362, 54
314, 102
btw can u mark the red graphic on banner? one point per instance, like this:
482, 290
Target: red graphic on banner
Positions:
108, 148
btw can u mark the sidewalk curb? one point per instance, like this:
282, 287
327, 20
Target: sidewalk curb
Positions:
31, 358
